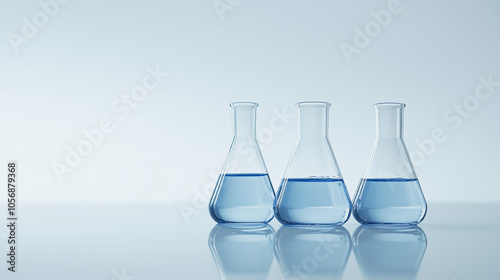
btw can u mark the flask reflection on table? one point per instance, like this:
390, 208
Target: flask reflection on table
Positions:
385, 252
312, 252
242, 251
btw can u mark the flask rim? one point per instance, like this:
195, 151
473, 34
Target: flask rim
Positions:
244, 105
389, 105
313, 104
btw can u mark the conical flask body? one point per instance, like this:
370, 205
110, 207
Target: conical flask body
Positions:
390, 192
243, 193
312, 191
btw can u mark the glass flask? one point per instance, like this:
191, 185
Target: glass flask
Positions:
389, 193
243, 193
385, 253
242, 251
311, 252
313, 190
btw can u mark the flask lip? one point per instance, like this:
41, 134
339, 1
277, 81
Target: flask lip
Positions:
389, 105
244, 105
313, 104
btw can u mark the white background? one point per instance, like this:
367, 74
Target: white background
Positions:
276, 53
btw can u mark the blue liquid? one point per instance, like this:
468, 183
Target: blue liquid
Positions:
389, 201
242, 198
322, 201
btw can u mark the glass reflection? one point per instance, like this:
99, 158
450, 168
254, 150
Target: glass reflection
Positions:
242, 251
389, 252
312, 252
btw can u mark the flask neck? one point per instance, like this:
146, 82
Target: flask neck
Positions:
389, 119
313, 119
244, 120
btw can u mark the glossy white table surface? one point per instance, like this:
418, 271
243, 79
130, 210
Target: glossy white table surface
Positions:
139, 241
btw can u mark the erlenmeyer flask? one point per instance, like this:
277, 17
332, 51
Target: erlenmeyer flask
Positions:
243, 193
312, 190
390, 192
